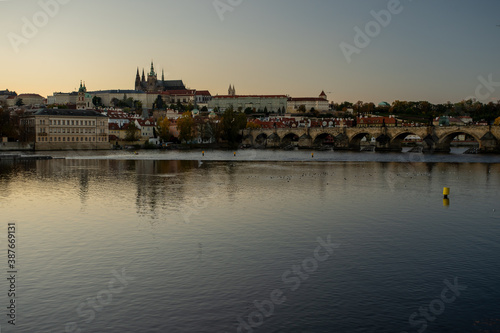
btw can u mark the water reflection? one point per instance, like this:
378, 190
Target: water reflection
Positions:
237, 226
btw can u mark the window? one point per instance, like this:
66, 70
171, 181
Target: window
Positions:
58, 122
63, 122
72, 122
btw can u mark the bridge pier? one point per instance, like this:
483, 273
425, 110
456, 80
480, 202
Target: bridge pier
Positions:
384, 144
305, 141
489, 144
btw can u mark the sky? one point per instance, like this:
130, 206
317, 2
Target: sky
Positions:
371, 51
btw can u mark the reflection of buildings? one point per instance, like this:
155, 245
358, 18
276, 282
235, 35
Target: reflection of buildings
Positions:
159, 186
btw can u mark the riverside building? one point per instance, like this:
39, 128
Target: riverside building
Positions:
54, 129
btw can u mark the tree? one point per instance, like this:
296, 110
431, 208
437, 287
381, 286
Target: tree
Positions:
252, 125
231, 124
185, 126
131, 134
97, 101
158, 103
497, 122
138, 106
164, 128
214, 128
19, 102
302, 108
115, 101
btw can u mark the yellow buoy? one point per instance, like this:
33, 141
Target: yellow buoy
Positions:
446, 192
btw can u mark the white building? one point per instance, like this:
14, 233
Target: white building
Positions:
317, 103
273, 103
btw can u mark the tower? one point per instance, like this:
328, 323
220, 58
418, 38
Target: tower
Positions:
80, 104
231, 91
152, 79
137, 80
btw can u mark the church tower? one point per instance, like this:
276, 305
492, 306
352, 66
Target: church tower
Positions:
231, 91
152, 80
80, 104
137, 80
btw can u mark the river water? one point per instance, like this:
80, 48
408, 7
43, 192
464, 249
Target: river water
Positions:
264, 241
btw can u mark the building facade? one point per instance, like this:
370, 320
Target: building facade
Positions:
317, 103
271, 103
153, 85
27, 99
53, 129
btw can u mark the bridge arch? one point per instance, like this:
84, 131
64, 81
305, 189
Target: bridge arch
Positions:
290, 138
355, 140
444, 142
261, 139
248, 139
447, 138
324, 139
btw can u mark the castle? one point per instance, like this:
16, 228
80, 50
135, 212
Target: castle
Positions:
153, 85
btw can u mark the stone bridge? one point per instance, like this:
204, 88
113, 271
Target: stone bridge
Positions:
435, 139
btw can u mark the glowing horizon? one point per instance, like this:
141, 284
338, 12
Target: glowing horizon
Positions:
422, 51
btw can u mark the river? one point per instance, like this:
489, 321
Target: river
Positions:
264, 241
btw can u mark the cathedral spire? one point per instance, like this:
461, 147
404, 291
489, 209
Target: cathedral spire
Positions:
152, 69
143, 76
162, 76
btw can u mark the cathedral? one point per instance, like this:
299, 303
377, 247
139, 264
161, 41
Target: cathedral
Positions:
153, 85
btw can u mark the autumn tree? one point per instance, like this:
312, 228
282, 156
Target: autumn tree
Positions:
131, 134
185, 126
163, 128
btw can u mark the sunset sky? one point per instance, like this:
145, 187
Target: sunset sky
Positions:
431, 50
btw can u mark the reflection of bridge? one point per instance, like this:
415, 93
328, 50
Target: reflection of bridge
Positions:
435, 139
